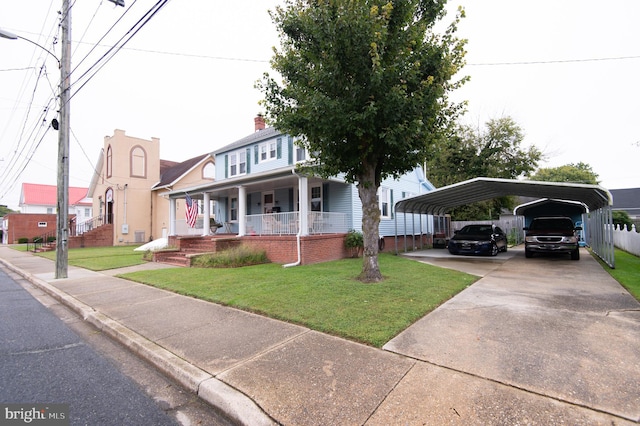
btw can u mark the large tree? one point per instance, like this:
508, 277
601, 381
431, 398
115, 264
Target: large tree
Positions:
573, 173
494, 151
364, 85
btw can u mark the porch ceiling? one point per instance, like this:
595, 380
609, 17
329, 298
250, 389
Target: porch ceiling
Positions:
442, 200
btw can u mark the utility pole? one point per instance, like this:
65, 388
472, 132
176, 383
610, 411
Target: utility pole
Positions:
62, 226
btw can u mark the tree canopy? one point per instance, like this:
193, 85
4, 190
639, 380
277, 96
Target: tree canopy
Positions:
573, 173
494, 151
365, 88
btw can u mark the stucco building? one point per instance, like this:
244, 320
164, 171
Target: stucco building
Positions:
129, 186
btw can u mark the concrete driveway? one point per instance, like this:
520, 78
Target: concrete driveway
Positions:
549, 326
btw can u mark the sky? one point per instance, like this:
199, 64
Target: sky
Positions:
565, 71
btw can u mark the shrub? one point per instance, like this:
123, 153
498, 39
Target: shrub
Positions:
51, 239
37, 239
231, 258
23, 240
354, 241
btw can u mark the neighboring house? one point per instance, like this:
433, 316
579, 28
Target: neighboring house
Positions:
37, 217
16, 226
130, 182
627, 200
257, 192
37, 198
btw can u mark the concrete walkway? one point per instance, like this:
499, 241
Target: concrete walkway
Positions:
538, 341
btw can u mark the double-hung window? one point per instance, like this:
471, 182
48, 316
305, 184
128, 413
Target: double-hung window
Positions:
268, 151
301, 154
237, 163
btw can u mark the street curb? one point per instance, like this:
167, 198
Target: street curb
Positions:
235, 405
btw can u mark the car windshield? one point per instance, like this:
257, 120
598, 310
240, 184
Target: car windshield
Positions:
476, 230
552, 224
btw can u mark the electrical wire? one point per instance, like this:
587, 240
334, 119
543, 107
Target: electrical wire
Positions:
100, 63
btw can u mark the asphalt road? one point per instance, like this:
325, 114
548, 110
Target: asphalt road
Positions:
44, 361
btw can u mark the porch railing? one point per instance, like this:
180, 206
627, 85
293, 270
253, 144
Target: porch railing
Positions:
87, 225
288, 223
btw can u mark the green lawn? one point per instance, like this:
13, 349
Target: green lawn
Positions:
323, 297
626, 272
101, 258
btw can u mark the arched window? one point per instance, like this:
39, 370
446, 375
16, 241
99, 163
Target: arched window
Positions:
209, 171
138, 162
109, 162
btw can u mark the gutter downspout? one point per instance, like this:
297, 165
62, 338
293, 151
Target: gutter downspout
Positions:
297, 263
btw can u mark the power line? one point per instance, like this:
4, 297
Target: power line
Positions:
100, 63
556, 61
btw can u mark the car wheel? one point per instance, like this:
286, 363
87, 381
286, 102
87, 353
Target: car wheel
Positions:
494, 250
528, 254
575, 255
504, 249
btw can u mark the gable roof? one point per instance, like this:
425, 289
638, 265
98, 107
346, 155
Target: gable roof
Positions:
171, 174
626, 199
258, 136
47, 195
442, 200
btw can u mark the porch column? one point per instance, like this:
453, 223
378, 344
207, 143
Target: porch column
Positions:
303, 197
242, 211
207, 214
172, 216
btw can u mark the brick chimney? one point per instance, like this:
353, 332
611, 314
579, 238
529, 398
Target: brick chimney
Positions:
259, 122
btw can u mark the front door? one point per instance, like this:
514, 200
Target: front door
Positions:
267, 202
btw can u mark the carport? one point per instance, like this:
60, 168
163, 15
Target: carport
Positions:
597, 200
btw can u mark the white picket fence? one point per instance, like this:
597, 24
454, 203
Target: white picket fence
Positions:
626, 240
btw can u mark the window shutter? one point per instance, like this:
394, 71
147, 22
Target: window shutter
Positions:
279, 148
391, 202
290, 147
248, 204
256, 152
226, 165
325, 197
291, 199
248, 159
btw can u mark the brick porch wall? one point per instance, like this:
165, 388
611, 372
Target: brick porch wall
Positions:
314, 248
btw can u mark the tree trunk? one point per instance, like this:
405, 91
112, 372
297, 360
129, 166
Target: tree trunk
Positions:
367, 191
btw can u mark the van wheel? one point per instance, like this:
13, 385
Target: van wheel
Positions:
575, 255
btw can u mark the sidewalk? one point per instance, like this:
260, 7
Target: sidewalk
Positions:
261, 371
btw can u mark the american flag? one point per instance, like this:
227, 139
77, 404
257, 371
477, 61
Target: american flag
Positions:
191, 212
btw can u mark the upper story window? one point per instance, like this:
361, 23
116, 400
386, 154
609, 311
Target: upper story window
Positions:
138, 162
109, 162
237, 163
209, 171
300, 154
268, 151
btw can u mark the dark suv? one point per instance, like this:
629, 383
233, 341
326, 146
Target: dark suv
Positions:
552, 235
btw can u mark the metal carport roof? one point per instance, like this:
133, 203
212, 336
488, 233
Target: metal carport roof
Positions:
597, 199
441, 200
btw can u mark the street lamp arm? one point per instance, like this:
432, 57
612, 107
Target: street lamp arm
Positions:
11, 36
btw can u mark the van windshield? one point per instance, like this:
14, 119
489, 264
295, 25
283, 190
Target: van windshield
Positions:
552, 224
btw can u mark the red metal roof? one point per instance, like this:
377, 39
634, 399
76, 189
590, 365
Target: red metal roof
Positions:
47, 195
